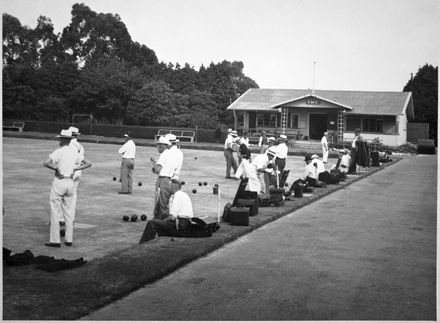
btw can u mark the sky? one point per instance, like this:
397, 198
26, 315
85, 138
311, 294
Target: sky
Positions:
359, 45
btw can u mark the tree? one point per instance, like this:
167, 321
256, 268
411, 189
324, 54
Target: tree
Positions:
424, 87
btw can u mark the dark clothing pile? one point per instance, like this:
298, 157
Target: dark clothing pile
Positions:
244, 151
46, 263
328, 178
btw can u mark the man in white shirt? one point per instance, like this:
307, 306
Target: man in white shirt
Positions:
324, 146
228, 152
311, 174
74, 143
177, 220
128, 152
354, 152
257, 169
65, 161
282, 151
175, 154
345, 161
165, 167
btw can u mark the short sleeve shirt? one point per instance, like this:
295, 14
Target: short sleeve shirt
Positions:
180, 205
128, 150
66, 159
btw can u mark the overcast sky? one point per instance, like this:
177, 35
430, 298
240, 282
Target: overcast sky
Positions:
357, 44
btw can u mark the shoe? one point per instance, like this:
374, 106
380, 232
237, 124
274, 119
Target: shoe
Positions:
69, 244
53, 244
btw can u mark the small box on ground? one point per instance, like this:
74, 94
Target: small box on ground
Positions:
239, 215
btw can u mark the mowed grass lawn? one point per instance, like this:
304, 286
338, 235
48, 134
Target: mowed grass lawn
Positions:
99, 229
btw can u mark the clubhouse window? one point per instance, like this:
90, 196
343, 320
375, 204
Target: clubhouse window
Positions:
267, 120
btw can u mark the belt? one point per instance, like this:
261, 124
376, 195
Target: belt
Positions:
164, 176
127, 158
63, 177
281, 158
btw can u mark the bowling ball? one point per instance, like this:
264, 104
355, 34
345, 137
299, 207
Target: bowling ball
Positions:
114, 178
140, 184
205, 183
194, 191
143, 217
134, 218
183, 182
200, 183
125, 218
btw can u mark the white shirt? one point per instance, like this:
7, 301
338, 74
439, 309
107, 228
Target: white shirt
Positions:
245, 141
180, 205
74, 143
176, 155
324, 142
282, 150
310, 171
128, 150
260, 161
66, 158
229, 141
319, 165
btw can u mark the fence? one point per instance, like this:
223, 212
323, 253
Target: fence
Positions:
108, 130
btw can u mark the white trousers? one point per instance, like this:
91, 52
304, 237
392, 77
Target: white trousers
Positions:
324, 155
243, 168
256, 181
62, 208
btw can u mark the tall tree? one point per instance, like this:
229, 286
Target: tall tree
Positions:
424, 87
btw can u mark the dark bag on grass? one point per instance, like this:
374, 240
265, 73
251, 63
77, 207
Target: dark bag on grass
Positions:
20, 259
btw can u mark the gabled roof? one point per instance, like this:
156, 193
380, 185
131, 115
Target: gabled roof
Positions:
361, 102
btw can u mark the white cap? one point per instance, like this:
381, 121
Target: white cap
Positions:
315, 156
163, 141
271, 139
229, 130
65, 134
234, 133
283, 137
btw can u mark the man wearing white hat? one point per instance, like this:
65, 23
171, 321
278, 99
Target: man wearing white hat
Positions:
175, 154
281, 156
324, 146
128, 152
74, 143
258, 168
65, 161
165, 167
228, 152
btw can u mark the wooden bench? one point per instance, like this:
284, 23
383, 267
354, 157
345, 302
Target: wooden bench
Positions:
16, 126
182, 135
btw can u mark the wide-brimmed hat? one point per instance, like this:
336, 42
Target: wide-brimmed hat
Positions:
163, 141
74, 130
271, 139
234, 133
65, 133
171, 137
314, 156
282, 137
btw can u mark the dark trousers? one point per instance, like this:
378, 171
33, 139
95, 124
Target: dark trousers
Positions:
230, 162
352, 168
164, 228
126, 176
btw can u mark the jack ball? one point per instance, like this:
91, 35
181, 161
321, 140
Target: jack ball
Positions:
114, 178
183, 182
143, 217
134, 218
125, 218
140, 184
194, 191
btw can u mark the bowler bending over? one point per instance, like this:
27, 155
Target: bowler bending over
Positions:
179, 219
